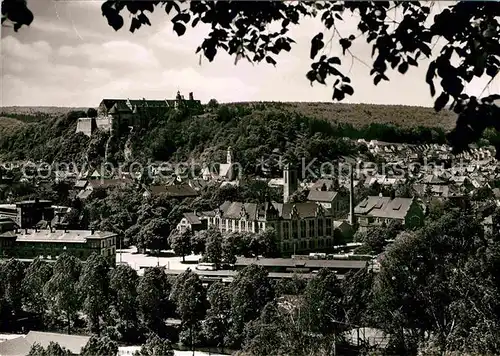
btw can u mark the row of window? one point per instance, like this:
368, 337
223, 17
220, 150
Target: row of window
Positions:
308, 228
308, 245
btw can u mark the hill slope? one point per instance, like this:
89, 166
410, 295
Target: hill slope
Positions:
360, 115
357, 115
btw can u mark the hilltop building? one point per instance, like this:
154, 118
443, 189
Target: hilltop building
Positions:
128, 112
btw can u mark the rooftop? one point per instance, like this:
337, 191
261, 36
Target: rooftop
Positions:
69, 236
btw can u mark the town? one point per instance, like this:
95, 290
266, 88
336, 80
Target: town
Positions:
300, 220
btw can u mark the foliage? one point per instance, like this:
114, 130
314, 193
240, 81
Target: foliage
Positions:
123, 281
93, 288
61, 290
53, 349
213, 248
37, 275
249, 292
100, 346
153, 293
155, 346
180, 242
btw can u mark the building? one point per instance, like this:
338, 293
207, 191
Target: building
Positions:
290, 182
49, 243
173, 191
378, 210
21, 345
28, 213
299, 227
193, 222
325, 193
128, 112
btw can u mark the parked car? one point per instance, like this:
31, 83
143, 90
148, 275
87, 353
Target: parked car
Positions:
206, 267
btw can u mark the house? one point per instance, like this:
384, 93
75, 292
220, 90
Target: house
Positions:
336, 200
378, 210
192, 221
21, 345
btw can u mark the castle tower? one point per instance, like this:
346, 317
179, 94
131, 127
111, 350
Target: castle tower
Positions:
290, 182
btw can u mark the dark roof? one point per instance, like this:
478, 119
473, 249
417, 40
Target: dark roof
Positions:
181, 190
192, 218
253, 211
106, 183
384, 207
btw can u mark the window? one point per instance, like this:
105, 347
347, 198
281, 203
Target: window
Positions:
320, 227
328, 227
302, 228
311, 228
295, 229
286, 230
249, 226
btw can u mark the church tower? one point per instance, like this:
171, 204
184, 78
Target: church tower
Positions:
290, 183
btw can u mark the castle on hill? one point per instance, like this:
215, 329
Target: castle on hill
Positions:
128, 112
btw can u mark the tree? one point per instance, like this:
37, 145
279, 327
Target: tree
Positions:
190, 297
153, 293
123, 281
100, 346
154, 234
323, 308
61, 290
216, 324
37, 275
423, 292
374, 239
155, 346
54, 349
213, 248
36, 350
91, 112
94, 290
13, 274
267, 243
212, 104
249, 292
180, 242
198, 241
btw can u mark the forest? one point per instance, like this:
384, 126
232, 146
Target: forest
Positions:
253, 131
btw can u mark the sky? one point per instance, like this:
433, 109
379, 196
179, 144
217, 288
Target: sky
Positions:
70, 56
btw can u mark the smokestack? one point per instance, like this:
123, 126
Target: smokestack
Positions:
191, 96
351, 195
92, 231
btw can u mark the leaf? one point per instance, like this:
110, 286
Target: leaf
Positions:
412, 62
270, 60
345, 43
316, 44
347, 89
179, 28
334, 60
144, 19
210, 52
403, 67
377, 79
115, 21
441, 101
